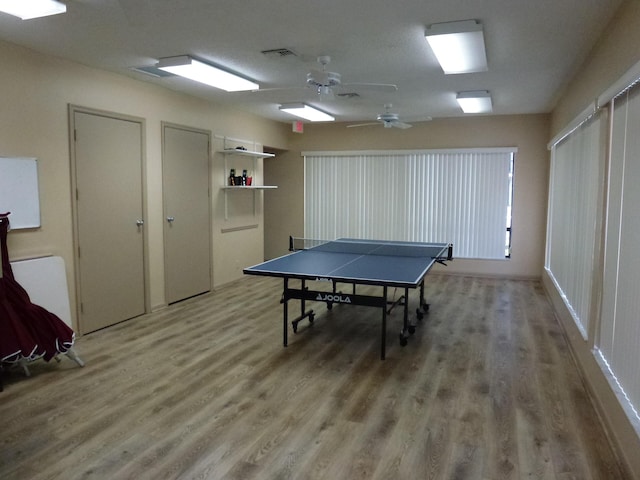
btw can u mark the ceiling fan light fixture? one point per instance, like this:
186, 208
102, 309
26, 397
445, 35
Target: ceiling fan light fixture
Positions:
323, 79
458, 46
193, 69
307, 112
477, 101
28, 9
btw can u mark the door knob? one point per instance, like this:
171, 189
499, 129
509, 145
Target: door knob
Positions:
139, 223
170, 219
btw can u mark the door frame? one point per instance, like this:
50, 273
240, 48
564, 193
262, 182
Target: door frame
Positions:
209, 135
72, 110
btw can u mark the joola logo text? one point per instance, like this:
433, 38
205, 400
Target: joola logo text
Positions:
335, 298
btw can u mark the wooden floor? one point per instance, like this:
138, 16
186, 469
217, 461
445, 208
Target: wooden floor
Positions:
485, 389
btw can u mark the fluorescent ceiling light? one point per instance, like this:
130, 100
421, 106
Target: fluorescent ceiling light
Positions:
478, 101
27, 9
193, 69
458, 46
303, 110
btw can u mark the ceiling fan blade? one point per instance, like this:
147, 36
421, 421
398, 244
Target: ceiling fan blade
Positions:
378, 87
419, 119
274, 89
314, 72
399, 124
363, 124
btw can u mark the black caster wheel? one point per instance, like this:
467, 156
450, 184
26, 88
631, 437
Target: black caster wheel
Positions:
425, 307
311, 318
329, 306
403, 340
295, 327
412, 329
419, 314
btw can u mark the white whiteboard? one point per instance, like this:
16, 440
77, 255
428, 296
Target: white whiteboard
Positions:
45, 281
19, 191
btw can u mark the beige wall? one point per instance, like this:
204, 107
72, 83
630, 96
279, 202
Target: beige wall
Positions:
37, 89
283, 212
617, 51
36, 92
529, 133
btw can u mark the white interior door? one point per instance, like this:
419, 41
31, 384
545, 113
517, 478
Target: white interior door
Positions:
109, 221
187, 229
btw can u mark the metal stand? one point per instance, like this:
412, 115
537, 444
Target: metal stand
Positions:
303, 293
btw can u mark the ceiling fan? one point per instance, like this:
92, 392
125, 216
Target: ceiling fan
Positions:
323, 81
388, 120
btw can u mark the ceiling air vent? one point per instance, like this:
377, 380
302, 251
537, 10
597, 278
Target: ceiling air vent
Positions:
279, 53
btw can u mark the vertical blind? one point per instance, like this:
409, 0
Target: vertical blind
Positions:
619, 336
574, 200
457, 196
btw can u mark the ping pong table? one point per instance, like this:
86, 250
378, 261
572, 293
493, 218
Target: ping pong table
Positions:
385, 264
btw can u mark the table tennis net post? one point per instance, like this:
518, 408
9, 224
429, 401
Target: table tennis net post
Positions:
300, 243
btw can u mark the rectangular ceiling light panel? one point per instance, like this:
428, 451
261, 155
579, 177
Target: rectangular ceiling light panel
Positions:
193, 69
458, 46
478, 101
28, 9
303, 110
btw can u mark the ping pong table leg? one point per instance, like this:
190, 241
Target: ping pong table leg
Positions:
285, 320
303, 288
335, 291
423, 304
300, 294
406, 328
383, 336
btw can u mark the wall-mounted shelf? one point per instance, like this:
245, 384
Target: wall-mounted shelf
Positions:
249, 187
227, 154
246, 153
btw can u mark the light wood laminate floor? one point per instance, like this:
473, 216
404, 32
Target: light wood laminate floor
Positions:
486, 389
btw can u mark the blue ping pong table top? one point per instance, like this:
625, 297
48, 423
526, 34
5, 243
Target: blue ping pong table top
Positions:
377, 262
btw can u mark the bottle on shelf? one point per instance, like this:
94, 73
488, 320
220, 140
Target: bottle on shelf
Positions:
244, 178
232, 177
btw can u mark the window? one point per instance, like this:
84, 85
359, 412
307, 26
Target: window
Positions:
507, 246
574, 199
458, 196
619, 334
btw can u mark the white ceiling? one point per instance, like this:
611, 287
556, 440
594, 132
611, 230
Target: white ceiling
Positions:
533, 48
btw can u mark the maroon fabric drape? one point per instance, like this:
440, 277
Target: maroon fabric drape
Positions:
26, 330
